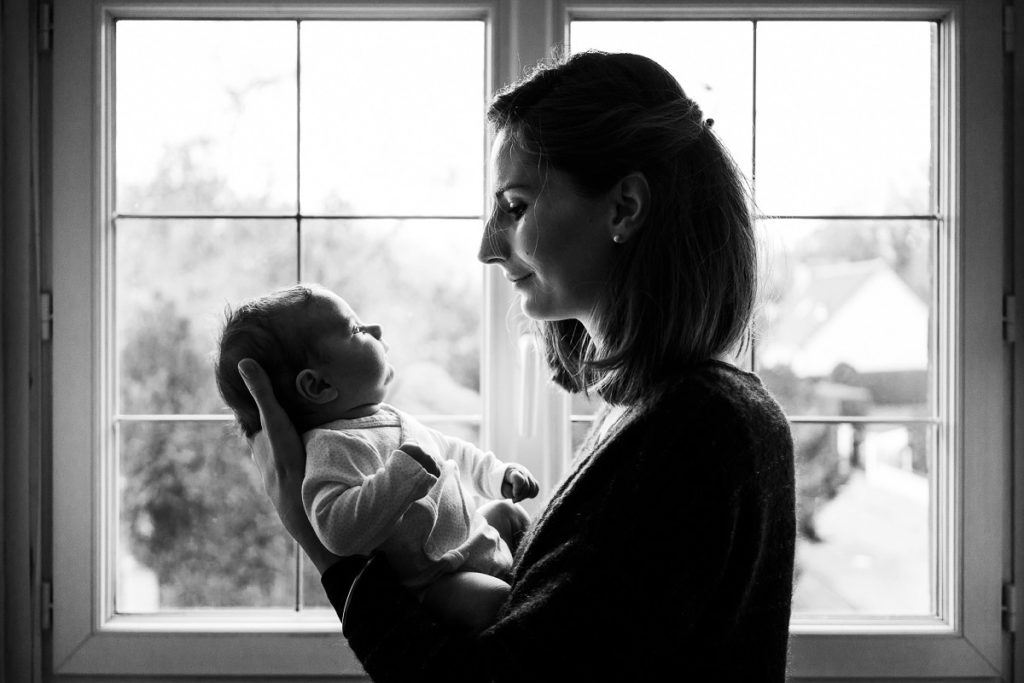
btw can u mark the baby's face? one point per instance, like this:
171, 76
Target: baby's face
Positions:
354, 358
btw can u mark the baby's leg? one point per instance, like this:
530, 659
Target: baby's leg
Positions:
470, 599
510, 519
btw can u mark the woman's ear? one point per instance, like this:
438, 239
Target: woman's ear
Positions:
631, 197
312, 387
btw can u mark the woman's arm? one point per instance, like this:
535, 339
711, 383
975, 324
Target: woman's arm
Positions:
279, 456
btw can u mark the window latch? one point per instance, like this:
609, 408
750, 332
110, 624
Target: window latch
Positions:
1010, 608
46, 606
1009, 29
1009, 318
46, 315
45, 26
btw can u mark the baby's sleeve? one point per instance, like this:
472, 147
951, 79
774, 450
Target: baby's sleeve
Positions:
481, 469
353, 498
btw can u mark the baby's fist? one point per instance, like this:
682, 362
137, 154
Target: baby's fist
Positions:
518, 484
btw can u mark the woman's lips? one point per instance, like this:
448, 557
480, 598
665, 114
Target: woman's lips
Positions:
516, 279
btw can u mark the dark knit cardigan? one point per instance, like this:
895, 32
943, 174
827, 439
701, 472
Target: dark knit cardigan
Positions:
665, 554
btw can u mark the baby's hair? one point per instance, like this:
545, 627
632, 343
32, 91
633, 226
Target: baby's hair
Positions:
275, 330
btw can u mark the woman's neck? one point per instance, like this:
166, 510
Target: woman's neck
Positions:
614, 415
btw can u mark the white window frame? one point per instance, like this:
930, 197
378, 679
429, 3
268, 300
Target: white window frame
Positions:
967, 642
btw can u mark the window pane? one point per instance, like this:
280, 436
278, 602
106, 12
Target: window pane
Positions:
205, 117
844, 117
420, 280
313, 595
174, 279
846, 325
581, 408
865, 541
392, 117
712, 60
196, 527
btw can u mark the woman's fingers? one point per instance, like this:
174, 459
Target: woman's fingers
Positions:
256, 380
278, 452
278, 443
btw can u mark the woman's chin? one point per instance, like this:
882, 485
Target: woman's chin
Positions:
543, 309
531, 309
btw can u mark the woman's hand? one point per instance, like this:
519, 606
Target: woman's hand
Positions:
281, 460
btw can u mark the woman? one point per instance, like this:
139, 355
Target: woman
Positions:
667, 551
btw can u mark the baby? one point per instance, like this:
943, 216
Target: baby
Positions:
377, 479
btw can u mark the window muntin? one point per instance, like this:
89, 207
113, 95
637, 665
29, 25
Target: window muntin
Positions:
249, 155
848, 323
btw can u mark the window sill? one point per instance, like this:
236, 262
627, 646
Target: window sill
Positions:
308, 621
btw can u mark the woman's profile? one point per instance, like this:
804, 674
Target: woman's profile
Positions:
667, 548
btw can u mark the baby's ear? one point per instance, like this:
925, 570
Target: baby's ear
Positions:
314, 388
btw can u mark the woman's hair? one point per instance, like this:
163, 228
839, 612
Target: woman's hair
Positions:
277, 330
685, 286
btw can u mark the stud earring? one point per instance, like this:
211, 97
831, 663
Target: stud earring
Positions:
618, 239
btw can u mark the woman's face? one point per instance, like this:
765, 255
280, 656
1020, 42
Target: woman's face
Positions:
553, 241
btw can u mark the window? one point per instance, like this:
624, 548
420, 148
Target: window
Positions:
242, 153
251, 154
270, 146
851, 225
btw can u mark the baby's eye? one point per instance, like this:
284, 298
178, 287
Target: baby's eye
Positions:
372, 330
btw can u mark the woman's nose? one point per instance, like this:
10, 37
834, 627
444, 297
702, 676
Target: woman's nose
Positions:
494, 243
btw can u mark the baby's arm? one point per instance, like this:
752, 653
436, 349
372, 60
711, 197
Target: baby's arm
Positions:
352, 498
489, 475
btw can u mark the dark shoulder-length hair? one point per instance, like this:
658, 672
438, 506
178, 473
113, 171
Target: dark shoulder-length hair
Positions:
684, 288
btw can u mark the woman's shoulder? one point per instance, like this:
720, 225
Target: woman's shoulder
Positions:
717, 406
716, 387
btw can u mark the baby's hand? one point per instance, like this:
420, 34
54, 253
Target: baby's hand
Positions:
518, 484
413, 450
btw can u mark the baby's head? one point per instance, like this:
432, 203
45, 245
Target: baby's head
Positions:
323, 363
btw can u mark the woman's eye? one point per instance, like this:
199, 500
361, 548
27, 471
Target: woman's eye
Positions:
516, 210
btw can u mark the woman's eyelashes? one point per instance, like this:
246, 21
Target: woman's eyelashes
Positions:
514, 209
511, 207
